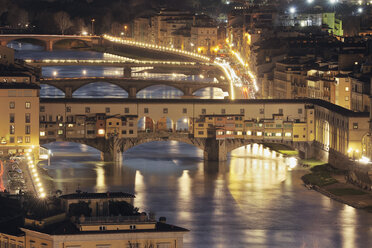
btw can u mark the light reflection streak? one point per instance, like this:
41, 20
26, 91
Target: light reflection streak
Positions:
100, 180
184, 197
140, 193
347, 218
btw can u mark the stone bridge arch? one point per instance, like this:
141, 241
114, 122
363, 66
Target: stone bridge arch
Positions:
30, 40
48, 41
98, 143
69, 87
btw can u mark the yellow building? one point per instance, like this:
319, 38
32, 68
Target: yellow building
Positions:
113, 126
108, 232
19, 129
343, 91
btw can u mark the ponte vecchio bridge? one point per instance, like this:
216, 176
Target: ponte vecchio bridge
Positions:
314, 127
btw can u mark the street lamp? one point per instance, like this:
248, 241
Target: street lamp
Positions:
125, 30
93, 20
292, 10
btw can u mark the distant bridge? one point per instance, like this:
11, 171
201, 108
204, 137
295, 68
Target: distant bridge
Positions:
48, 40
131, 85
128, 64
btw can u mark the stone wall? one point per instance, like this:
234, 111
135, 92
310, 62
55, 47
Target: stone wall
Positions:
357, 173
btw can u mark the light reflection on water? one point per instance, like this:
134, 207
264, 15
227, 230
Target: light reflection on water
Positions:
248, 201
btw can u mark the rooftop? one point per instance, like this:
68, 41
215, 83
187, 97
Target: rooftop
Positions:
319, 102
68, 228
86, 195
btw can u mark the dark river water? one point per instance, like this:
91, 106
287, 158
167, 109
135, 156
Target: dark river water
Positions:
248, 201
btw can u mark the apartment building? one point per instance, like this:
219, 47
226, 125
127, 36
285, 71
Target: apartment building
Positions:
19, 130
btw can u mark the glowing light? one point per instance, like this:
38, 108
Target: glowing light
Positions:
291, 162
364, 160
42, 195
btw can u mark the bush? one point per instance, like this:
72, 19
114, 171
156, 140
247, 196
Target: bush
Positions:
320, 176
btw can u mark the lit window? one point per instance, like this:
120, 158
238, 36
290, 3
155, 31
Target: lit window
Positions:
12, 105
69, 125
12, 129
28, 139
249, 133
278, 134
346, 98
28, 105
101, 131
19, 139
259, 133
228, 132
288, 134
60, 132
355, 125
346, 88
42, 133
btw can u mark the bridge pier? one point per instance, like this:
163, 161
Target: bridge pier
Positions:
132, 92
127, 72
111, 156
49, 45
68, 92
112, 150
215, 150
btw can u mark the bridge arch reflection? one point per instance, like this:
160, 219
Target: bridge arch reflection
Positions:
159, 91
100, 90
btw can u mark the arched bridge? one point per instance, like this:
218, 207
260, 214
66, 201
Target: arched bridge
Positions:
48, 40
130, 85
214, 150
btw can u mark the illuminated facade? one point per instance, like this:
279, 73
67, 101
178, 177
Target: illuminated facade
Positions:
19, 130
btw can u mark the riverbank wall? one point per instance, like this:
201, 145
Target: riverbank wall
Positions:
357, 173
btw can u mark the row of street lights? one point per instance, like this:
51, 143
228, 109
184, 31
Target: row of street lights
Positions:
34, 174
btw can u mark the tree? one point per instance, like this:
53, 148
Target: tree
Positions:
63, 21
78, 209
122, 208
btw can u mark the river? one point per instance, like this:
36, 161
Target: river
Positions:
248, 201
